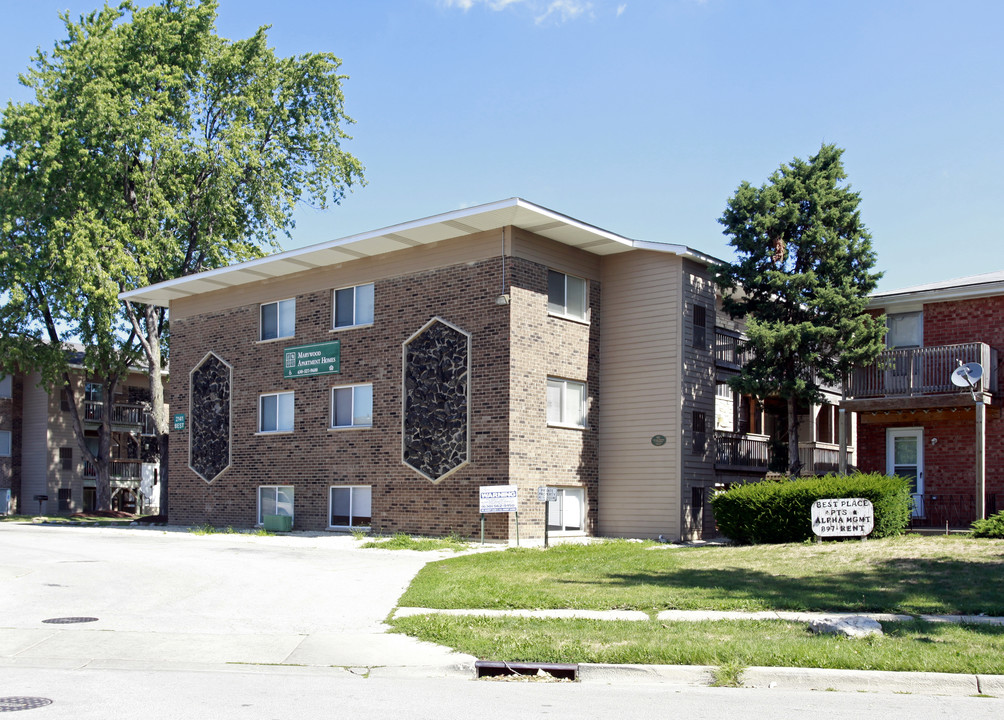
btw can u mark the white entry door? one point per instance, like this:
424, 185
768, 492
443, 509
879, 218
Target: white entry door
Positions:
905, 458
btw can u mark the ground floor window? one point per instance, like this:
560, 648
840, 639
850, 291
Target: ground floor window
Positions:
90, 499
65, 496
351, 507
566, 512
274, 500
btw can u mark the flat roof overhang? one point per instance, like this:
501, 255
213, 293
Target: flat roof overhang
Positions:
514, 212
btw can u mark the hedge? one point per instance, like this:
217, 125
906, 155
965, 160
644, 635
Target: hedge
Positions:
780, 511
991, 527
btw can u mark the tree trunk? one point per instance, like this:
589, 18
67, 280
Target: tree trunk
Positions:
794, 463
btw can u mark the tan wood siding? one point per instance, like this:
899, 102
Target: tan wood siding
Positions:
640, 371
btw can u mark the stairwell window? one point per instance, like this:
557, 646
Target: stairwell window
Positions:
353, 306
4, 443
566, 296
278, 319
699, 432
566, 403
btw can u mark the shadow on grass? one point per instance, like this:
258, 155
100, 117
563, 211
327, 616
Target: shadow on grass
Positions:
929, 586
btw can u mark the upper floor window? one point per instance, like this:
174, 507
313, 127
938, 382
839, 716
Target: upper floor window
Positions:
5, 387
566, 403
906, 330
352, 406
699, 434
566, 295
700, 339
275, 412
92, 392
4, 443
278, 319
353, 306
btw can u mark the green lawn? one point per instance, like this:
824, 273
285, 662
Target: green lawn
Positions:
914, 646
909, 574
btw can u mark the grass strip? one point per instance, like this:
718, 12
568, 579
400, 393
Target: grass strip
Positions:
906, 646
911, 575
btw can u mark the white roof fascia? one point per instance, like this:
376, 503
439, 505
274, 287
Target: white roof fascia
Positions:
513, 211
908, 299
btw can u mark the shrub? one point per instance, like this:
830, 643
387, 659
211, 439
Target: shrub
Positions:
991, 527
780, 511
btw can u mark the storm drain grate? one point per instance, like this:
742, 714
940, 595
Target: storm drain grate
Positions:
13, 704
69, 620
562, 671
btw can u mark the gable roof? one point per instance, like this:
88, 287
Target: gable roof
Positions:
514, 212
973, 286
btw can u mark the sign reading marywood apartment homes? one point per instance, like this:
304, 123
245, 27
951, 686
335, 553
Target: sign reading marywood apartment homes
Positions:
318, 359
843, 517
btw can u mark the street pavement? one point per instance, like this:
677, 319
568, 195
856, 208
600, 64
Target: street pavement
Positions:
167, 599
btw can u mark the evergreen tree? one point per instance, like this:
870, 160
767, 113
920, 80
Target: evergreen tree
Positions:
800, 280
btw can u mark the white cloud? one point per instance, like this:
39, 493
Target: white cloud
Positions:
621, 8
543, 10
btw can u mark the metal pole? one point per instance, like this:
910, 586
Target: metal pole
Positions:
980, 455
517, 528
482, 528
547, 507
842, 415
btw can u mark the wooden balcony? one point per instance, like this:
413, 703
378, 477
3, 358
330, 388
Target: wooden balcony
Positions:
739, 451
908, 378
121, 470
728, 352
131, 416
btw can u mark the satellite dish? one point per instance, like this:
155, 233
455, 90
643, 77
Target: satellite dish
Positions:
967, 375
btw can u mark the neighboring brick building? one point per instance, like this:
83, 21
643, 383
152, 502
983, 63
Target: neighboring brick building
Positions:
501, 344
912, 420
39, 454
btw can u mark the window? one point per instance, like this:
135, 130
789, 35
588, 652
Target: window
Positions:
274, 500
353, 306
565, 513
275, 413
5, 387
278, 319
566, 295
66, 458
700, 339
350, 506
699, 432
566, 403
4, 443
906, 330
352, 406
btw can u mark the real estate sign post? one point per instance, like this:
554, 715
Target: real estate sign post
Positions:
498, 499
842, 517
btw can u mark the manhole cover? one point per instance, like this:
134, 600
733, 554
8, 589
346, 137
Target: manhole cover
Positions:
13, 704
68, 620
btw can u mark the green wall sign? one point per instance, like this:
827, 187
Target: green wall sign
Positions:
317, 359
179, 421
658, 440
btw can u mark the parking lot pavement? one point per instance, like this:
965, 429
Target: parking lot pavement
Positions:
169, 597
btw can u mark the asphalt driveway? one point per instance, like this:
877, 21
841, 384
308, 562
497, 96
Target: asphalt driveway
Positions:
169, 597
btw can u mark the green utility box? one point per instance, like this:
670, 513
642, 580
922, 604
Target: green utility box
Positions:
278, 523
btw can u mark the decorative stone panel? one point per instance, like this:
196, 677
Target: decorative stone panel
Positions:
436, 438
209, 426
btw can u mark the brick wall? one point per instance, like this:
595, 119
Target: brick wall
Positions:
10, 420
313, 458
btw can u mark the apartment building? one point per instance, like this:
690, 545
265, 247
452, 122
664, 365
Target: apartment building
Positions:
378, 381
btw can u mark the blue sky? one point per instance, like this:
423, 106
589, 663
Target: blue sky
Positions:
643, 117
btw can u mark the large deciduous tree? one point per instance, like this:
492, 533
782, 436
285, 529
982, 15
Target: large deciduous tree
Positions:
152, 149
802, 272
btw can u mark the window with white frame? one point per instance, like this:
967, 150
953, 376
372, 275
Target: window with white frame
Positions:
565, 513
274, 500
350, 507
566, 403
4, 443
566, 295
352, 406
278, 319
275, 412
353, 306
6, 390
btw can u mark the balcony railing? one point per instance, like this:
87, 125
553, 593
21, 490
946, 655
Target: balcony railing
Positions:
921, 371
740, 451
121, 414
120, 470
952, 510
820, 460
728, 351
